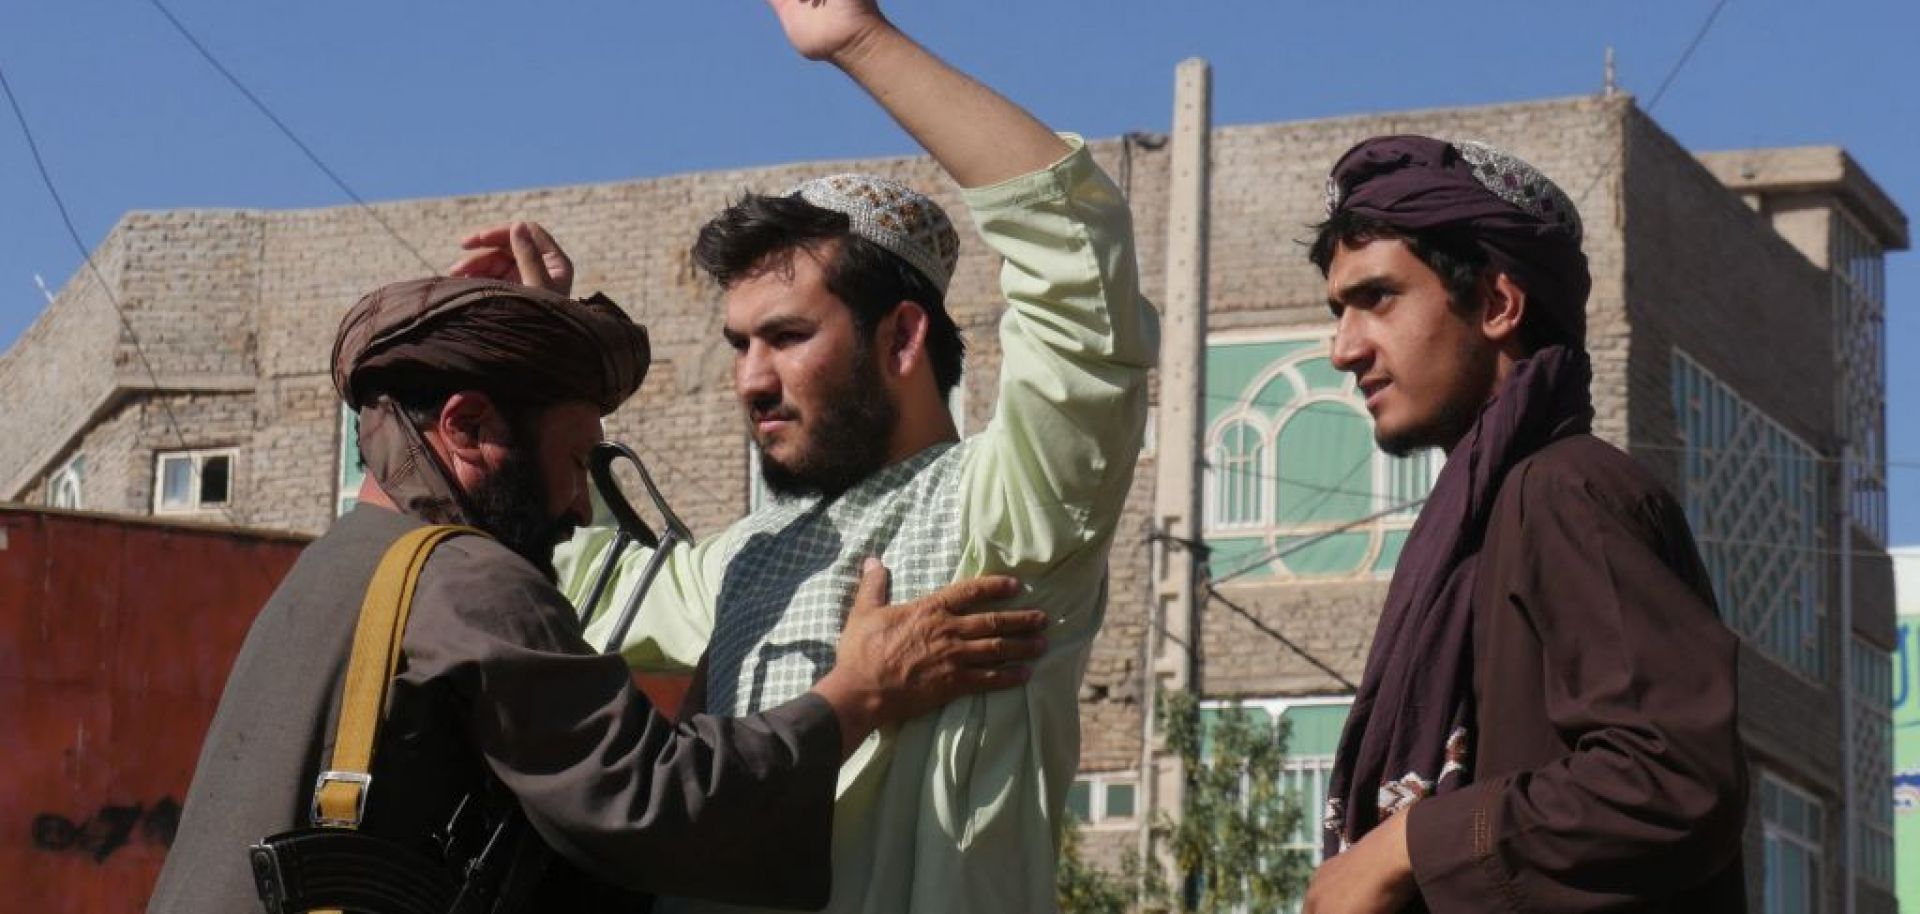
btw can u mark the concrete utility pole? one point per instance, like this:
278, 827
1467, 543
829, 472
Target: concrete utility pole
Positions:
1173, 631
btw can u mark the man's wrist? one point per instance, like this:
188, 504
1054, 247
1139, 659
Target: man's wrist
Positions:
1395, 855
857, 709
853, 57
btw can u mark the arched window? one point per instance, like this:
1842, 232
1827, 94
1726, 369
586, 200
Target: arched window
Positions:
1237, 477
63, 490
1310, 495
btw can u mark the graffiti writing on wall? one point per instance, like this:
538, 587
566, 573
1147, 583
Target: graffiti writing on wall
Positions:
1906, 791
108, 829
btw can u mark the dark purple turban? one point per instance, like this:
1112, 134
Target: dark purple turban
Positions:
1527, 226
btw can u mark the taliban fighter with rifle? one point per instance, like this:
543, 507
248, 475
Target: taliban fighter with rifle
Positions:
480, 397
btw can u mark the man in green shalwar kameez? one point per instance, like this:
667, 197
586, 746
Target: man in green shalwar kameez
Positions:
845, 353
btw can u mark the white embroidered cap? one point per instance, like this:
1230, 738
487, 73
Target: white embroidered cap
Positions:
894, 216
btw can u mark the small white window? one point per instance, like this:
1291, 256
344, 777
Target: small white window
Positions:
1104, 799
185, 482
63, 490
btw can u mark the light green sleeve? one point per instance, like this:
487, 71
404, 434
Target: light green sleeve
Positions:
676, 618
1044, 486
1049, 475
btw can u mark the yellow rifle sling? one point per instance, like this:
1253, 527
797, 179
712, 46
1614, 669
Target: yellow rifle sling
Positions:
340, 796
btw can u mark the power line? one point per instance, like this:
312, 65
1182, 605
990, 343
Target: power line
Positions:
1666, 83
1281, 552
1275, 634
698, 483
100, 280
286, 131
1686, 55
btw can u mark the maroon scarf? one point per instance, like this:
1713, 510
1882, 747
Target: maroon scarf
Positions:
1412, 724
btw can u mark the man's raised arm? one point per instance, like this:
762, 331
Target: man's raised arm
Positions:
975, 133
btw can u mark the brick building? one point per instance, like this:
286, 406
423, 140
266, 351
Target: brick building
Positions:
1735, 328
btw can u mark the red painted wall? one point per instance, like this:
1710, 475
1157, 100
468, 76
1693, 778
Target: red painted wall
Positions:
115, 639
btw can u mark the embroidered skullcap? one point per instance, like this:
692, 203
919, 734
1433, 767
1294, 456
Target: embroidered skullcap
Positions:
516, 341
1526, 225
896, 217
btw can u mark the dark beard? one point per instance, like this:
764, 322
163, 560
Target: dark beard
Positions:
846, 442
1456, 416
1455, 419
511, 505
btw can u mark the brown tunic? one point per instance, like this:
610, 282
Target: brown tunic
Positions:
1608, 770
496, 679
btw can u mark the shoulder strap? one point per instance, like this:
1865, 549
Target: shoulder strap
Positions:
340, 794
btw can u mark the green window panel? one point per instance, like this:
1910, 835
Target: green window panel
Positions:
1120, 801
1312, 728
1390, 546
1080, 801
1291, 461
1324, 452
352, 471
1233, 369
1315, 729
1341, 553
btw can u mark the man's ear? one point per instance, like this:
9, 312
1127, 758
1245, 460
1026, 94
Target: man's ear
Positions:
903, 334
467, 420
1503, 307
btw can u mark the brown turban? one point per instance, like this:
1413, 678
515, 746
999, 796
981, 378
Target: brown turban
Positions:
1527, 226
526, 346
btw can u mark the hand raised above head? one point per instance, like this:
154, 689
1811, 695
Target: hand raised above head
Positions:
824, 29
521, 252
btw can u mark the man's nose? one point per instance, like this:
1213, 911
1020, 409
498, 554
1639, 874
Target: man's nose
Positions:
1350, 351
580, 508
753, 374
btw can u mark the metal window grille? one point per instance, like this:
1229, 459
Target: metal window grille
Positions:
1755, 496
1858, 267
1871, 703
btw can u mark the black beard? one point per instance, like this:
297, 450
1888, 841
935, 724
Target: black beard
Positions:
846, 441
1453, 422
511, 505
1456, 416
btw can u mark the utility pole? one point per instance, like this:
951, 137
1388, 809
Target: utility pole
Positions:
1173, 630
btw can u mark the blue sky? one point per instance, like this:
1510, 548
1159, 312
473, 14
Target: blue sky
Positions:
425, 99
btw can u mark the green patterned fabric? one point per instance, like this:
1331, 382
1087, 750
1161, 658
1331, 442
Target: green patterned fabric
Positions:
793, 565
